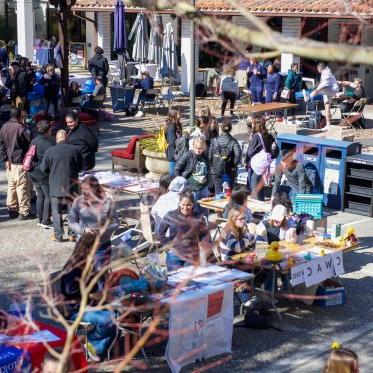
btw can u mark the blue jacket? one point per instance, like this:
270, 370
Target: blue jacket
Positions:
256, 79
4, 57
145, 84
272, 83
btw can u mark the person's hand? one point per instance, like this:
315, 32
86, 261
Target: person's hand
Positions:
7, 165
90, 231
313, 93
275, 96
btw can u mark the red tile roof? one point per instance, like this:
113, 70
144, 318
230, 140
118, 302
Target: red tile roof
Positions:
323, 8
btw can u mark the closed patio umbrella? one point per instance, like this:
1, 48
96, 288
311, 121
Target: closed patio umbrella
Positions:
120, 37
156, 40
140, 32
169, 63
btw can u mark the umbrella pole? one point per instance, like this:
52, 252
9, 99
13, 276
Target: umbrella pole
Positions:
192, 88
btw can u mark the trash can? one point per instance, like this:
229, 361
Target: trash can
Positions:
324, 161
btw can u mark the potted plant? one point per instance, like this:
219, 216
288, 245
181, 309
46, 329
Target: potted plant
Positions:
155, 162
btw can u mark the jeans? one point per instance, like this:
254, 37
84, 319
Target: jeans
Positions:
173, 262
102, 259
203, 193
256, 185
57, 204
257, 93
50, 101
219, 180
228, 96
171, 169
104, 331
43, 202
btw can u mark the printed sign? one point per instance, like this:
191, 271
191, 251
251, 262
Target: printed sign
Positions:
215, 302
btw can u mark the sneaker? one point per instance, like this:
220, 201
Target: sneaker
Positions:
27, 217
57, 239
139, 114
91, 352
46, 225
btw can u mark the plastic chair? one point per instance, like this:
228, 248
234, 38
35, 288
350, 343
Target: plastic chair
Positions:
151, 98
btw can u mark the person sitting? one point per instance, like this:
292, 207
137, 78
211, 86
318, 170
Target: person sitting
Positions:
194, 166
184, 230
93, 101
75, 94
341, 360
93, 213
168, 201
358, 93
236, 236
275, 228
296, 177
238, 201
146, 83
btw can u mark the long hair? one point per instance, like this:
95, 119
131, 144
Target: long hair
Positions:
259, 126
97, 190
231, 224
342, 361
173, 119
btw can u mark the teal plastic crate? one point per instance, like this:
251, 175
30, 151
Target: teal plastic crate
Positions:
309, 204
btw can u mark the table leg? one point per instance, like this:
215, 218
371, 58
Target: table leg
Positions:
286, 116
273, 299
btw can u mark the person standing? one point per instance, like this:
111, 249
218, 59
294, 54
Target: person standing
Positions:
83, 139
4, 56
256, 74
328, 87
51, 83
293, 83
229, 91
98, 65
260, 140
62, 163
272, 84
174, 130
14, 144
39, 178
17, 83
224, 157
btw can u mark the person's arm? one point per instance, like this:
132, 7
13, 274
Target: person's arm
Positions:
302, 178
254, 147
262, 73
45, 164
79, 161
162, 230
92, 141
74, 219
277, 84
237, 151
277, 181
106, 66
180, 165
3, 152
114, 219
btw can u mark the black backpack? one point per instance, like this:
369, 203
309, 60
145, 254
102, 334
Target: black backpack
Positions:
181, 147
222, 158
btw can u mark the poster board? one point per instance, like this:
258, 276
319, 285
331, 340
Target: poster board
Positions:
77, 55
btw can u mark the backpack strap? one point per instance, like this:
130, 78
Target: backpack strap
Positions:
262, 141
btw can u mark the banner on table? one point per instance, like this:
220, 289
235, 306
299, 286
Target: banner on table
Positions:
200, 325
317, 270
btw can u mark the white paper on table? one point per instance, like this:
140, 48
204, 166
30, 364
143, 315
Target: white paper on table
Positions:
192, 272
37, 337
331, 181
338, 263
296, 275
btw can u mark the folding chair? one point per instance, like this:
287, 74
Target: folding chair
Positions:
151, 98
355, 118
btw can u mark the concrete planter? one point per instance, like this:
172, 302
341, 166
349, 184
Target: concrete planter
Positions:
156, 163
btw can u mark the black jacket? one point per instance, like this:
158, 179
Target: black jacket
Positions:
62, 163
171, 141
225, 141
98, 66
87, 144
186, 164
18, 86
14, 142
42, 144
255, 146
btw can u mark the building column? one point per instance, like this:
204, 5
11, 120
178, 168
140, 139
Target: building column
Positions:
41, 21
25, 28
91, 34
104, 33
186, 55
291, 27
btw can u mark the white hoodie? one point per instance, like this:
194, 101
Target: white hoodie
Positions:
328, 81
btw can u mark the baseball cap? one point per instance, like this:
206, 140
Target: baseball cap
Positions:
278, 213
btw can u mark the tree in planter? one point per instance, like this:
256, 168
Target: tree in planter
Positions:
64, 13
